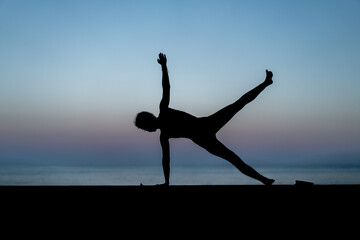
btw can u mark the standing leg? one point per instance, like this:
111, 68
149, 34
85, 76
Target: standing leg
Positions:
215, 147
220, 118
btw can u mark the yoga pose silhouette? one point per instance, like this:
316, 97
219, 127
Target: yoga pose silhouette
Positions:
202, 131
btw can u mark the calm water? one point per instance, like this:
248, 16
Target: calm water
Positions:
180, 175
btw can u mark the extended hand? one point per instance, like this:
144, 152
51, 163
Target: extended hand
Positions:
162, 59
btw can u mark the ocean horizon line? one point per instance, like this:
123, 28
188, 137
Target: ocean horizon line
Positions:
180, 175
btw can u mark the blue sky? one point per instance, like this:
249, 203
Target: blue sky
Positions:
73, 74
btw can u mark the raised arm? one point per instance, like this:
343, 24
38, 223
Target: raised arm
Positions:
164, 141
164, 103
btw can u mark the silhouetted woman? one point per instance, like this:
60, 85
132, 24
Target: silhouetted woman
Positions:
202, 131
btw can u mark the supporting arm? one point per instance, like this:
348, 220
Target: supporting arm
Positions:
164, 141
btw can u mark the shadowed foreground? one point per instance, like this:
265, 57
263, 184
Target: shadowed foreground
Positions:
203, 210
192, 196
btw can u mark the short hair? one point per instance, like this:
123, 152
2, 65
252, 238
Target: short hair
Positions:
146, 121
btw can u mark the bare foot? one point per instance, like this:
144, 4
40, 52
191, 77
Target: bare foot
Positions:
268, 78
269, 182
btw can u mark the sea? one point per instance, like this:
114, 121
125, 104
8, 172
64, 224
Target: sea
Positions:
60, 175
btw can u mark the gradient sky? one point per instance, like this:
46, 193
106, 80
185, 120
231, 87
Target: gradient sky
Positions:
73, 74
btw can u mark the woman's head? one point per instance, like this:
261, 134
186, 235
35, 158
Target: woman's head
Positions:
146, 121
